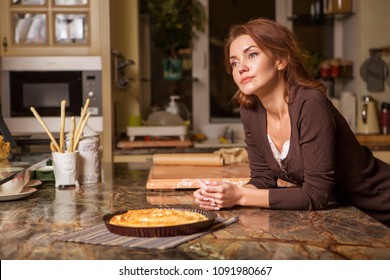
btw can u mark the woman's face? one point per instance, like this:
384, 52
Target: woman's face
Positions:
253, 71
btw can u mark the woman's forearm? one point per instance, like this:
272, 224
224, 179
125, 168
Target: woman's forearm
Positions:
251, 196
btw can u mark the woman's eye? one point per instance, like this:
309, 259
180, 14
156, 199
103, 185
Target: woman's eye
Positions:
252, 55
234, 64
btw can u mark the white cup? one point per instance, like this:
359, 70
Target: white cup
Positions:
15, 185
66, 168
90, 154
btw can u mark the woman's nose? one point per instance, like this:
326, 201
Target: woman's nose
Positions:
242, 68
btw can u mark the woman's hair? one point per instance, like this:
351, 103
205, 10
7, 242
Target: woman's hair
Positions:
279, 43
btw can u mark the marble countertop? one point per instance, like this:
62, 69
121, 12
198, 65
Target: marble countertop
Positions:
29, 226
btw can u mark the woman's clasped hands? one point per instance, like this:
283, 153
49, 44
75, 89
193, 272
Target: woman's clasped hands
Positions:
213, 195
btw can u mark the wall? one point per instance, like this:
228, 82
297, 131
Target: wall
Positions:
124, 29
374, 24
104, 29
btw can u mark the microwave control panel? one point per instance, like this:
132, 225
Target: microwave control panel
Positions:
92, 89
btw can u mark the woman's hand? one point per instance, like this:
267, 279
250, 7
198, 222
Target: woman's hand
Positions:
216, 195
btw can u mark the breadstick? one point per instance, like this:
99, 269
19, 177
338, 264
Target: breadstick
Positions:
82, 116
77, 139
71, 134
38, 117
52, 147
62, 127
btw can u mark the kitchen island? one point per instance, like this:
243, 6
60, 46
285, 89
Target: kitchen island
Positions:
30, 227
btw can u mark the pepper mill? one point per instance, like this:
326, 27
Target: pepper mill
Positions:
384, 118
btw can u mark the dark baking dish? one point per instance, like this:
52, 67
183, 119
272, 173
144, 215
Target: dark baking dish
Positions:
165, 231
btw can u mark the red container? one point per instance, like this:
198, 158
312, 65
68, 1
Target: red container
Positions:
384, 118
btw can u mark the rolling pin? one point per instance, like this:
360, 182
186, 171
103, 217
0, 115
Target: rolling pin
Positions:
198, 159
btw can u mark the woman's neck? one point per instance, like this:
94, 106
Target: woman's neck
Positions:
275, 103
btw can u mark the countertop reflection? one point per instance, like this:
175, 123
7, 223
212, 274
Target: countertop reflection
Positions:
28, 227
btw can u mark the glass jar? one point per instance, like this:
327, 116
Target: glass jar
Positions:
325, 69
346, 69
335, 68
341, 6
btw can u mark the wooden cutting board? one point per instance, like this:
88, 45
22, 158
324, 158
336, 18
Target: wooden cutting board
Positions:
154, 143
188, 177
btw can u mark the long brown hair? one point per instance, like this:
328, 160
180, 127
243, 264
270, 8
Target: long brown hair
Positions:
279, 43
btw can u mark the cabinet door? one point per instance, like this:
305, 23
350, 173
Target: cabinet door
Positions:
50, 27
71, 28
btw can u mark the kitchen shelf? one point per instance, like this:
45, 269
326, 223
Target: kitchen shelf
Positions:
375, 141
312, 20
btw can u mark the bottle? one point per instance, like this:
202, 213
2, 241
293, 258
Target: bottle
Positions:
173, 107
385, 118
178, 108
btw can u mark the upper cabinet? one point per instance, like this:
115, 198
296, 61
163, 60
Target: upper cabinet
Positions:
50, 27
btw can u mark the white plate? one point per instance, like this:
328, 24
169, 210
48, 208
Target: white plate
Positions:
23, 194
33, 183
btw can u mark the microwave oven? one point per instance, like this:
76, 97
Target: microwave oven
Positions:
42, 83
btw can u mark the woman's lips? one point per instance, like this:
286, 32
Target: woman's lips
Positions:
245, 80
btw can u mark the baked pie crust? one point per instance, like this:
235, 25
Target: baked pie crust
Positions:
157, 217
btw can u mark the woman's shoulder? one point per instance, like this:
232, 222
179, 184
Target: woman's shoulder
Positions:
309, 95
312, 103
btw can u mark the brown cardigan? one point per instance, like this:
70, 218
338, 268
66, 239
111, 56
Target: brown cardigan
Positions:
325, 160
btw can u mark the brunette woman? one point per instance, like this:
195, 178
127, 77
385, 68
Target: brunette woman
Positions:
302, 152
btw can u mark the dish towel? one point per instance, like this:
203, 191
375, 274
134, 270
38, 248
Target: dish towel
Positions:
100, 235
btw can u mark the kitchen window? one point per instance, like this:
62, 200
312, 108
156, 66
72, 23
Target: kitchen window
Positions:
213, 91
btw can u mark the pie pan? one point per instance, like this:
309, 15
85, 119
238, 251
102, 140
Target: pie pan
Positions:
163, 231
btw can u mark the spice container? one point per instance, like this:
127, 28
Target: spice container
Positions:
335, 68
325, 69
345, 69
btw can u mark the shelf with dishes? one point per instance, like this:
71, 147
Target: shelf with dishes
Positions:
29, 26
321, 12
309, 19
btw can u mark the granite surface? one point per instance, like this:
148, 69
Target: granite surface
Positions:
29, 226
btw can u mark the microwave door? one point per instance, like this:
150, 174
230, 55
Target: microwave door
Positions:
45, 91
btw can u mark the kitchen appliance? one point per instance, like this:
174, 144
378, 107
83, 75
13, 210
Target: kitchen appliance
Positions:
368, 118
43, 82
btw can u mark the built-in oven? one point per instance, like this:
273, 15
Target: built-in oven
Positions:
42, 83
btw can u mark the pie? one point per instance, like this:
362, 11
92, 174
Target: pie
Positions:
156, 217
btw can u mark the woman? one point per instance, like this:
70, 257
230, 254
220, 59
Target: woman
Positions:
301, 150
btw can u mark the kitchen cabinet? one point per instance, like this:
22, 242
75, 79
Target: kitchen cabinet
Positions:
94, 42
49, 27
319, 26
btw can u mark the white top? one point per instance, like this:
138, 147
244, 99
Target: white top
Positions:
279, 156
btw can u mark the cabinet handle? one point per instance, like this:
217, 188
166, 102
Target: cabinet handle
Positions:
5, 44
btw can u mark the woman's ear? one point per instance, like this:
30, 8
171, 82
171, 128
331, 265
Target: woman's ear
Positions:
281, 64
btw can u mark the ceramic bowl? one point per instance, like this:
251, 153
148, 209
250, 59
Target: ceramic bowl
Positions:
15, 185
164, 118
213, 131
